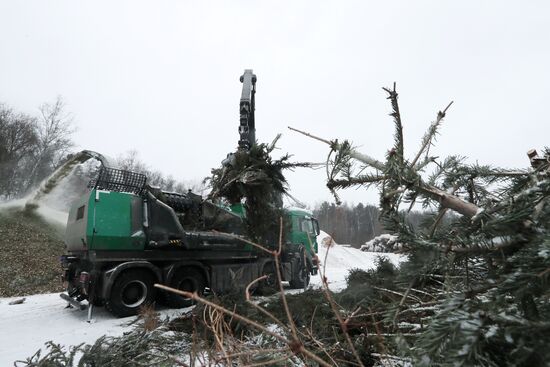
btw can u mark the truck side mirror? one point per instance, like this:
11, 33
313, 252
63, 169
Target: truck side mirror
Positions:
316, 227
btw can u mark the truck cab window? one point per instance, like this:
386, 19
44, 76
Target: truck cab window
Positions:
306, 225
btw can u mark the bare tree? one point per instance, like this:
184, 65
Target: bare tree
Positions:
130, 161
54, 129
17, 141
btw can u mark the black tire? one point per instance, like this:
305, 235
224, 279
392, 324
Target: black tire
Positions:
300, 279
185, 279
268, 286
131, 290
300, 272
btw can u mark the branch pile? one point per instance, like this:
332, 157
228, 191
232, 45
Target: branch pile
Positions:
256, 180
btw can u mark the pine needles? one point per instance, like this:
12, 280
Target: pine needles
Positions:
475, 290
255, 179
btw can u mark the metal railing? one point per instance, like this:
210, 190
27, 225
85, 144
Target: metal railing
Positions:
119, 180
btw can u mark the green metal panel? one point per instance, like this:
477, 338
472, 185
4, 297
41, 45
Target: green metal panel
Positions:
77, 225
302, 231
238, 209
110, 222
297, 233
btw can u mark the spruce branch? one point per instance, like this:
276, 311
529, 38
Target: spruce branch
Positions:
430, 134
353, 181
399, 146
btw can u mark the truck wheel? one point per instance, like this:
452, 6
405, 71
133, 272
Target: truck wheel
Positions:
300, 272
300, 278
268, 286
189, 280
131, 290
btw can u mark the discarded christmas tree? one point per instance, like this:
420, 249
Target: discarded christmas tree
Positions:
256, 180
475, 289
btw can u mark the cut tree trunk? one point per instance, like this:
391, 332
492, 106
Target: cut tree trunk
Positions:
445, 199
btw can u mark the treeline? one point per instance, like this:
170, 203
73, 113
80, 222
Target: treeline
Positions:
357, 224
32, 147
350, 224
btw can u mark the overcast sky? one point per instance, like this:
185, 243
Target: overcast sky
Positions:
162, 77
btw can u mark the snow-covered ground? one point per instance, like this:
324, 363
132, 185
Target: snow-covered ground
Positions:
341, 258
24, 328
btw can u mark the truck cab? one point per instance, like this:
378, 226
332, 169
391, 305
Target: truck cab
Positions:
305, 229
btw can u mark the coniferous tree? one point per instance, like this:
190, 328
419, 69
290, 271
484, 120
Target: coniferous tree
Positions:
476, 283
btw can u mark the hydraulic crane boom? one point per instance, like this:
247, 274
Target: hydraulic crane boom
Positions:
247, 129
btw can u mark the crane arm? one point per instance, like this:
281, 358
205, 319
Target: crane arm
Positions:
247, 129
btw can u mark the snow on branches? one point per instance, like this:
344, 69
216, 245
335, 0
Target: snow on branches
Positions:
485, 268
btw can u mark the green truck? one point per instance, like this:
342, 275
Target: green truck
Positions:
124, 236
